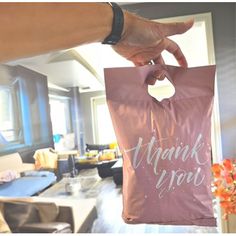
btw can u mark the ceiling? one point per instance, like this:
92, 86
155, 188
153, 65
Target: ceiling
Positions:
77, 67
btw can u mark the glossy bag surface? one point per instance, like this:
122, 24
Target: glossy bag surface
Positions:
166, 146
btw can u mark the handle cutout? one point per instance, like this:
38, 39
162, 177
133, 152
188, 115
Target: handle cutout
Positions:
162, 89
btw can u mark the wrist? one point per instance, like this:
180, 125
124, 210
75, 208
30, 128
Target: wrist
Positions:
107, 16
128, 19
131, 25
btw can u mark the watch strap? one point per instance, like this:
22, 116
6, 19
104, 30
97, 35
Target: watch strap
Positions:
117, 25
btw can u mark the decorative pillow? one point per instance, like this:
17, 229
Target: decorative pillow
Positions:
8, 176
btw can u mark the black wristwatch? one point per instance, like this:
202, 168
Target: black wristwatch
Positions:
117, 25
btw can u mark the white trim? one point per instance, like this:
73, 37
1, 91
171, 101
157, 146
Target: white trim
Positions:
58, 97
93, 114
216, 131
93, 118
54, 86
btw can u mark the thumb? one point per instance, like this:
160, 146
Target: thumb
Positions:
168, 29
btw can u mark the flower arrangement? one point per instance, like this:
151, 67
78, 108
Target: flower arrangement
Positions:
225, 185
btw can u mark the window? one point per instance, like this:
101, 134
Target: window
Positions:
10, 119
24, 110
103, 129
60, 114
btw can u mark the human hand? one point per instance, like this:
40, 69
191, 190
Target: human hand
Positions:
143, 41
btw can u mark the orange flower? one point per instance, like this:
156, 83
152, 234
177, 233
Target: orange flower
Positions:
216, 169
229, 179
225, 204
219, 191
225, 195
218, 182
228, 165
234, 176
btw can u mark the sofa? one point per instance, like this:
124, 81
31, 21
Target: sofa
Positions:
30, 182
24, 215
78, 213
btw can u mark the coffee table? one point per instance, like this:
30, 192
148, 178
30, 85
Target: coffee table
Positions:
83, 203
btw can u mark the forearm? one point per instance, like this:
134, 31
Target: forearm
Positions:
29, 29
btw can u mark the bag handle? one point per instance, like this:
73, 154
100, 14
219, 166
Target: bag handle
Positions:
163, 71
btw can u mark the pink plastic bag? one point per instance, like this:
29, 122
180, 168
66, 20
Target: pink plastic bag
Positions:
166, 146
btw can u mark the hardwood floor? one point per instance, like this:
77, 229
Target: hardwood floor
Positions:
109, 209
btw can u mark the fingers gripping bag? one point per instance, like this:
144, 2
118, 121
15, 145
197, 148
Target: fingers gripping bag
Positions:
166, 145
